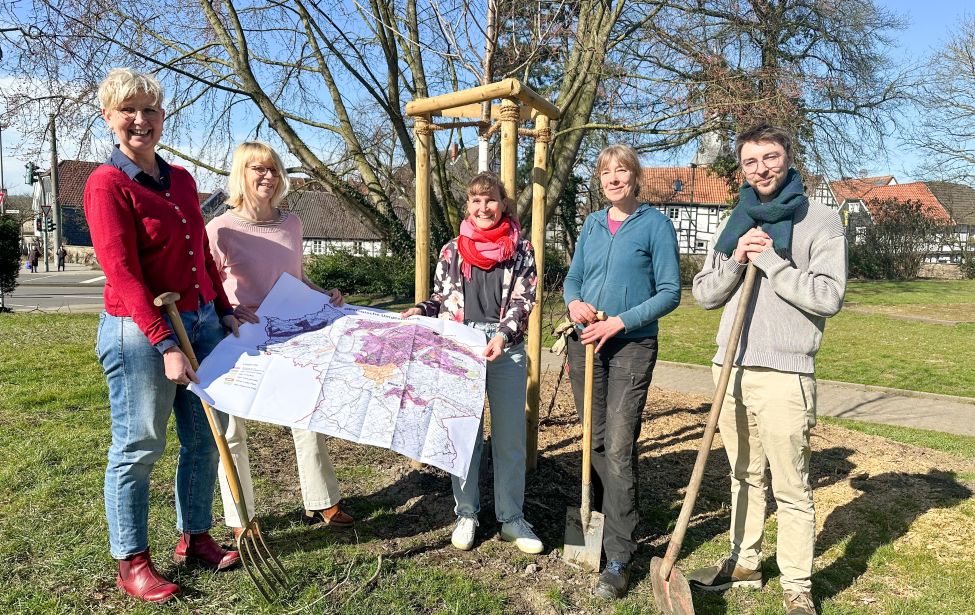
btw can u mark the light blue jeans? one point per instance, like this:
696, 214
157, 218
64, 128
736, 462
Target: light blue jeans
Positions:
506, 385
141, 400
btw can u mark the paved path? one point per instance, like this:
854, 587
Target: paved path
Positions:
849, 401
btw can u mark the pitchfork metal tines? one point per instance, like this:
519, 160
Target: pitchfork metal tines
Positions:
261, 565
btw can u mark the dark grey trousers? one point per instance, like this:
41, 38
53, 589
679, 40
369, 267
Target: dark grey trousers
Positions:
621, 378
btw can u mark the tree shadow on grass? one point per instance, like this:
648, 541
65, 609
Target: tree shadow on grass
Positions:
884, 511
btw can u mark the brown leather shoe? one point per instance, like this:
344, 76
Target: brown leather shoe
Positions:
203, 550
138, 578
333, 516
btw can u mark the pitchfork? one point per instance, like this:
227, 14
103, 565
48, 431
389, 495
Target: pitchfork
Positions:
261, 565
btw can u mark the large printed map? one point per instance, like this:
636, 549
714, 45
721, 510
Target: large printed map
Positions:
415, 386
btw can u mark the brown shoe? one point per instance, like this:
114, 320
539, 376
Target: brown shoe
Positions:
333, 516
203, 550
138, 578
724, 575
798, 603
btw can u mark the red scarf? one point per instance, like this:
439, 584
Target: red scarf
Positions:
486, 248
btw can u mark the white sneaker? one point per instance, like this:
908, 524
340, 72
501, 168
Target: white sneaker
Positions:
463, 536
520, 532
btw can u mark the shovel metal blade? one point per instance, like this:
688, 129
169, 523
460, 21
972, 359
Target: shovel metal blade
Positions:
673, 595
583, 546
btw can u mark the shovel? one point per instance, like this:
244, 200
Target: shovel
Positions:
670, 589
583, 527
261, 565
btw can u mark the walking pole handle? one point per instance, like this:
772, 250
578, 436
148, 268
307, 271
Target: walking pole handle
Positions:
697, 476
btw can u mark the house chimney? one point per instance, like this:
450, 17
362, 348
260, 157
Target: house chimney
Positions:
454, 150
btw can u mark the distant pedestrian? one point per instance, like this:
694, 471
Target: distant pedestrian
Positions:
770, 406
61, 253
34, 256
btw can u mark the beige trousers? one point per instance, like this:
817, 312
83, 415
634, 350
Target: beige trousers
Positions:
319, 487
767, 414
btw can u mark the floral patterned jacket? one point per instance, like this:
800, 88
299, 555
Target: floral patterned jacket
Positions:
517, 295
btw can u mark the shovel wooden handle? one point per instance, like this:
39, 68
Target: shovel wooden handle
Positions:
586, 510
677, 537
168, 301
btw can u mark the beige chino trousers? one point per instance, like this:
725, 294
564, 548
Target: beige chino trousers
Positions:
767, 415
319, 487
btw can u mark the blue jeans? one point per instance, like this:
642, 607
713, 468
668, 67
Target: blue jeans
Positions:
141, 399
506, 385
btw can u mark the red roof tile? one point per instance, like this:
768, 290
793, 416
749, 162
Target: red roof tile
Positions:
904, 193
72, 176
707, 188
857, 187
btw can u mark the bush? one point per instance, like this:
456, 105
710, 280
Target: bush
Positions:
9, 253
892, 245
967, 265
690, 265
357, 274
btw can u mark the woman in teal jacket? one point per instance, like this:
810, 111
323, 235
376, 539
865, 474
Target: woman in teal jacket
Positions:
626, 265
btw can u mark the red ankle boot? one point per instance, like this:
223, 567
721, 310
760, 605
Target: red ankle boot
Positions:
202, 550
138, 578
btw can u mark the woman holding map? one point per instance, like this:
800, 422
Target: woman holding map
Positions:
252, 244
486, 279
148, 234
626, 265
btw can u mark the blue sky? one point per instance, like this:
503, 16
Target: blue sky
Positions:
929, 25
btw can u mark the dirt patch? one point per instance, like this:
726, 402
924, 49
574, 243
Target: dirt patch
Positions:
409, 512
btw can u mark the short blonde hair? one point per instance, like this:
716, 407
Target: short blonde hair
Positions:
249, 152
624, 155
121, 84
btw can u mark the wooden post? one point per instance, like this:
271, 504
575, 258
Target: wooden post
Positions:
539, 184
510, 113
423, 131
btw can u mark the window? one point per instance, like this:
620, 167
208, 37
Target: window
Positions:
700, 245
712, 210
861, 234
673, 213
317, 246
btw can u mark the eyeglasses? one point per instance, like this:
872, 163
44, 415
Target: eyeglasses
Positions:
148, 113
262, 171
772, 162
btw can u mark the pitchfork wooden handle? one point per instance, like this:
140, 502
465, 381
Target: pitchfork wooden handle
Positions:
677, 537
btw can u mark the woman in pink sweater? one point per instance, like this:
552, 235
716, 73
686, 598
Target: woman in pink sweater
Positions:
253, 243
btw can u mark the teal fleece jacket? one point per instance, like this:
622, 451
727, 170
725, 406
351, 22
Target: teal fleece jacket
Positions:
634, 274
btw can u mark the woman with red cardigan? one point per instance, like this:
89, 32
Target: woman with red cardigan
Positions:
149, 237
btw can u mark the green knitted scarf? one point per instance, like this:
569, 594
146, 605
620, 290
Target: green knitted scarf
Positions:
775, 217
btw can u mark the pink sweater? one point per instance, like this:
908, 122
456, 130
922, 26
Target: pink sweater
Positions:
251, 257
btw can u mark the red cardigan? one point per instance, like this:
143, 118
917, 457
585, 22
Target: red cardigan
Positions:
149, 242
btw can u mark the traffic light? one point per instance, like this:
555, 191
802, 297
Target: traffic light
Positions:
31, 170
49, 226
37, 224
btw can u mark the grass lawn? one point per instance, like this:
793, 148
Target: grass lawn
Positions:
864, 348
884, 507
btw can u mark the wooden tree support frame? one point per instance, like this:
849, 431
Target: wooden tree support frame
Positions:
519, 103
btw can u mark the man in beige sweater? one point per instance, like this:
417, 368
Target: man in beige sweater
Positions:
770, 406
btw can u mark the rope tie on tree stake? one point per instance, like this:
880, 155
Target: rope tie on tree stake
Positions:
495, 127
510, 113
541, 135
421, 126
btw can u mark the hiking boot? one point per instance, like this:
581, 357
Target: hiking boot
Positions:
463, 536
520, 532
726, 574
798, 603
613, 581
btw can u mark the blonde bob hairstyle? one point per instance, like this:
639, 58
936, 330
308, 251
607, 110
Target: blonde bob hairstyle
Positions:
247, 154
483, 182
624, 156
122, 84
